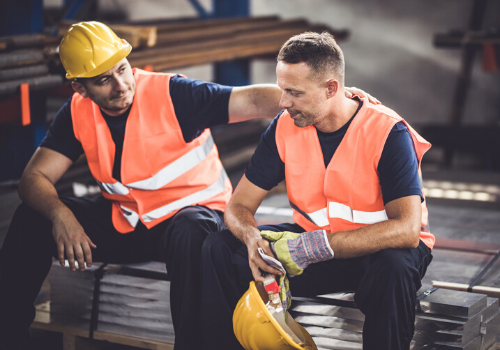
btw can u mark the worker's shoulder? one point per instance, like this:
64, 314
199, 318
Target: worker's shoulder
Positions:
378, 110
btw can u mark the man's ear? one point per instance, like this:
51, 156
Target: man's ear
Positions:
332, 87
78, 87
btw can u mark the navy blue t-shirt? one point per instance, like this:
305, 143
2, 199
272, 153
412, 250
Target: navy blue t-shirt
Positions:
198, 105
398, 165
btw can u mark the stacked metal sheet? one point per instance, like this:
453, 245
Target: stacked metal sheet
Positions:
134, 301
128, 305
445, 319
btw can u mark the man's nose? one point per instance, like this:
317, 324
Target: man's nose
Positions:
120, 84
285, 102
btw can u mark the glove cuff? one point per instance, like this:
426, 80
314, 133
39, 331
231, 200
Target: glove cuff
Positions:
311, 247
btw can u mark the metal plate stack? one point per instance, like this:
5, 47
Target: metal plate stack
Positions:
445, 319
128, 305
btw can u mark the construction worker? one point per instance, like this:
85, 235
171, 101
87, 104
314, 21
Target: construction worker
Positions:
146, 140
352, 176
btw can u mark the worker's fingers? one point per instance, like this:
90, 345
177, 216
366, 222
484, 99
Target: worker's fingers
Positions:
60, 253
265, 266
70, 256
78, 251
87, 252
256, 273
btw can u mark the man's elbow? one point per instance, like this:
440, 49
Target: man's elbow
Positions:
413, 235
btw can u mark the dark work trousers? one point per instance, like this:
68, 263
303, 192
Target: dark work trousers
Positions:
385, 286
26, 258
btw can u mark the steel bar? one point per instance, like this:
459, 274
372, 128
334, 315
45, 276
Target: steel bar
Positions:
36, 83
452, 302
468, 328
21, 58
331, 322
23, 72
474, 344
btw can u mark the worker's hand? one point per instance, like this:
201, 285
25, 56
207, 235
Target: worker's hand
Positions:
297, 251
71, 239
285, 295
351, 91
253, 242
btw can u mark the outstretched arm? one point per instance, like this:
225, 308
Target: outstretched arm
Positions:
37, 190
262, 101
239, 218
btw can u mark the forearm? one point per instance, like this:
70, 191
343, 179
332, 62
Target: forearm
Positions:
254, 101
40, 194
241, 222
395, 234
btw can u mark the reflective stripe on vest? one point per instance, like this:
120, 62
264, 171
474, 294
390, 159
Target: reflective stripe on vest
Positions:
167, 174
115, 188
216, 188
342, 211
131, 216
319, 217
197, 197
176, 168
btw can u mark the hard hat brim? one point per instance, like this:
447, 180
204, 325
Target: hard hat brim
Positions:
251, 308
108, 64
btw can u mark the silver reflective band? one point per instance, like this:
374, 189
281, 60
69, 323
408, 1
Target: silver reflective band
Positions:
342, 211
216, 188
116, 188
319, 217
131, 216
176, 168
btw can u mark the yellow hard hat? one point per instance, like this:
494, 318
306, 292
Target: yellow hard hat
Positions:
256, 329
91, 48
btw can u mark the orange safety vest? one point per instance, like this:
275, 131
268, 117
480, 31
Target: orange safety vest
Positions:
160, 172
347, 194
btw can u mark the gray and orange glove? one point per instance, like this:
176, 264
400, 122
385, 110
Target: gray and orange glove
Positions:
296, 251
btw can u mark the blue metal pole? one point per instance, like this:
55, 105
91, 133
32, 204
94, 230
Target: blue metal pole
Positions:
236, 72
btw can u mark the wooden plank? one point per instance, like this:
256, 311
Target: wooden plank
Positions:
489, 291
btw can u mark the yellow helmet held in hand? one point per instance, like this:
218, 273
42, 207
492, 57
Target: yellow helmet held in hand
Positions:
91, 48
256, 329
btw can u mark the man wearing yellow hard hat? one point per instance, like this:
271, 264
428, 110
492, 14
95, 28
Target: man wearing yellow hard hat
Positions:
148, 145
360, 219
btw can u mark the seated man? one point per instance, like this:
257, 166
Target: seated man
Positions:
352, 175
147, 141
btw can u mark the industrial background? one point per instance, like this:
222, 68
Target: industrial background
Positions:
436, 63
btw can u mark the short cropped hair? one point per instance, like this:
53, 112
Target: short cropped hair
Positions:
320, 52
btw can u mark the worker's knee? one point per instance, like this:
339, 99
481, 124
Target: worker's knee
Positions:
395, 267
218, 245
29, 226
390, 275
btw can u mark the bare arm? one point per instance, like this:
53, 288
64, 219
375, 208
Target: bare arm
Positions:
239, 218
37, 190
401, 230
254, 101
262, 101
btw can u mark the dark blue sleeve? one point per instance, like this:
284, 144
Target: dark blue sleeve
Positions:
199, 105
61, 137
266, 170
398, 166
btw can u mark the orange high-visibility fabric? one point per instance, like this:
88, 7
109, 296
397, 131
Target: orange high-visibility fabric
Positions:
153, 141
350, 184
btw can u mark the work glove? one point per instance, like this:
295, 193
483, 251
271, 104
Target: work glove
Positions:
296, 251
285, 295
